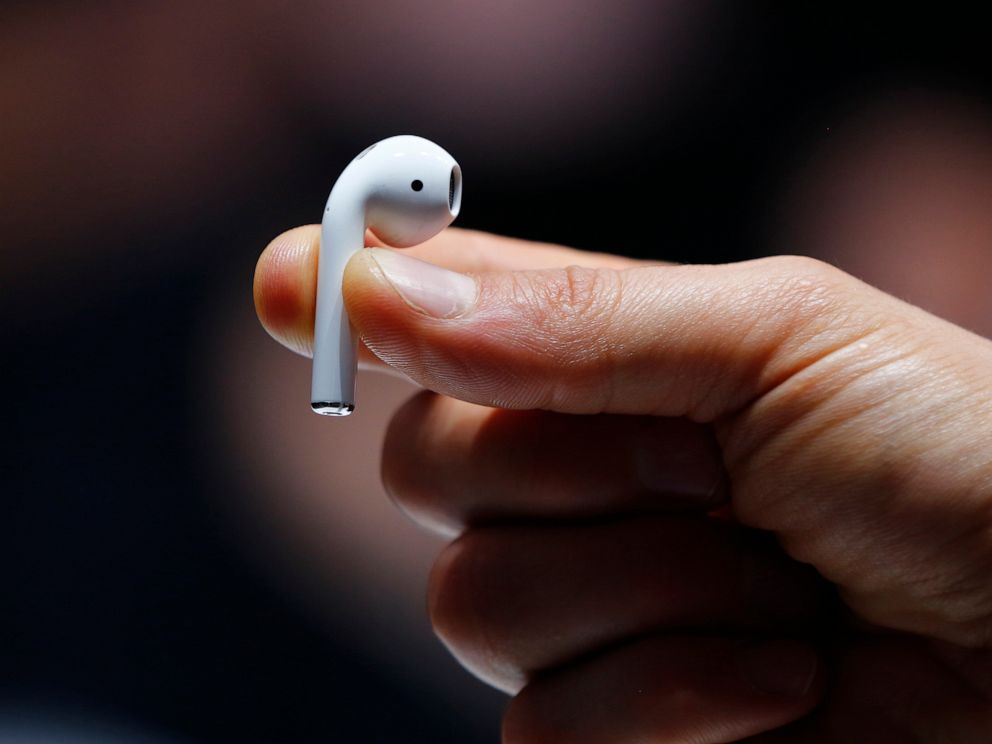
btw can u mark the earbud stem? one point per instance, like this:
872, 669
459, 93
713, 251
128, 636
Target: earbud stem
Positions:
407, 189
335, 344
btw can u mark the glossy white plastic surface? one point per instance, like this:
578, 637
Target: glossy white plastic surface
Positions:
406, 189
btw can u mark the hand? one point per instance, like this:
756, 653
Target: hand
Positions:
665, 480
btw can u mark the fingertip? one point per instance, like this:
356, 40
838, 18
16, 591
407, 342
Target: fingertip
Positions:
285, 287
374, 305
359, 270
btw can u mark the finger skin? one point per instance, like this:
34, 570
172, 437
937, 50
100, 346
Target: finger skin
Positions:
448, 463
285, 288
285, 283
513, 601
667, 689
852, 425
696, 341
891, 690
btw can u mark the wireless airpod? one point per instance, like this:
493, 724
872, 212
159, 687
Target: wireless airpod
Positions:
405, 189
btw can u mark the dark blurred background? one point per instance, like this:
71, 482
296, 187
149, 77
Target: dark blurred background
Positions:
188, 553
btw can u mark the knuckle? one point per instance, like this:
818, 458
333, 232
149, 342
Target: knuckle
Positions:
588, 294
805, 309
577, 291
581, 331
568, 300
806, 286
572, 318
573, 314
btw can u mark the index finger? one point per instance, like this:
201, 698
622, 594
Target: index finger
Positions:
286, 273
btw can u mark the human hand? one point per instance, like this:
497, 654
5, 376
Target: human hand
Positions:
592, 422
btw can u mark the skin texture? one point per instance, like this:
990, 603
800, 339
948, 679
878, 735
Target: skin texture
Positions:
689, 503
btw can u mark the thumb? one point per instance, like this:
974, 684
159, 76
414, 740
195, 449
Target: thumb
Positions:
697, 341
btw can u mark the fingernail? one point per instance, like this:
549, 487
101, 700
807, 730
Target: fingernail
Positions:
785, 668
425, 287
684, 467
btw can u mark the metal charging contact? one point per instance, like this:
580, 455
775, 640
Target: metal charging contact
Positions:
334, 408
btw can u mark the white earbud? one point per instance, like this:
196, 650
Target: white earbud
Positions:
405, 189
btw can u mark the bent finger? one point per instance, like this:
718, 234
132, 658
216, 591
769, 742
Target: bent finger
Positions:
512, 601
448, 464
669, 689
